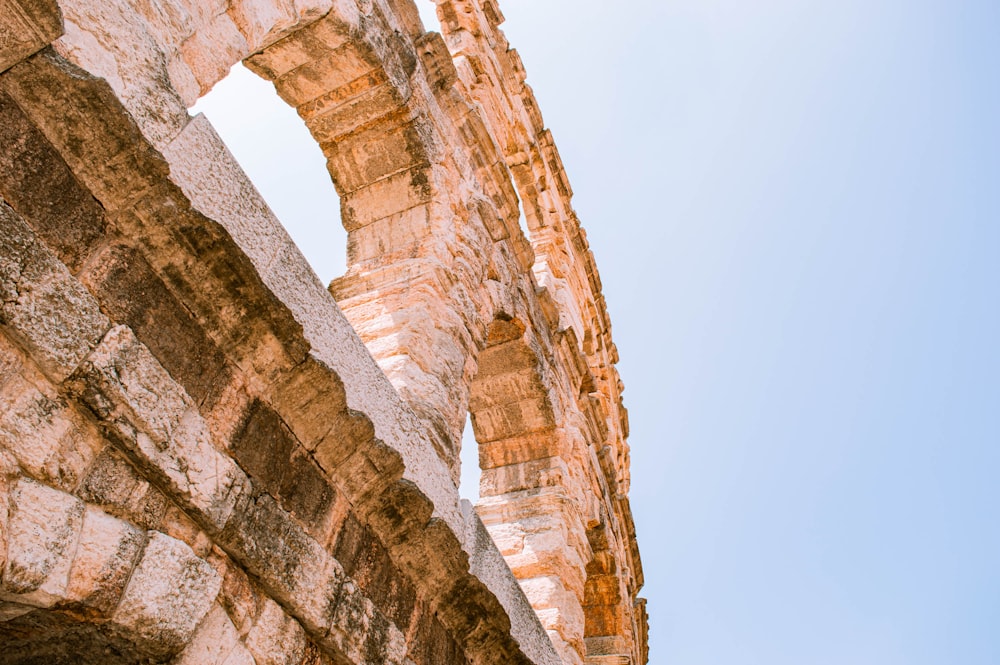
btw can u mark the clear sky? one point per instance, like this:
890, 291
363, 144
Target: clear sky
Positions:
795, 208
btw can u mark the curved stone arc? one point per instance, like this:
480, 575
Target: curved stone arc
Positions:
462, 219
114, 199
492, 73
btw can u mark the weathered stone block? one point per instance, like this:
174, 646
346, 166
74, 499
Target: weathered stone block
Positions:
374, 153
43, 529
105, 149
269, 452
50, 313
114, 485
107, 550
8, 477
393, 195
133, 295
242, 599
330, 71
546, 472
366, 560
396, 236
213, 49
431, 643
273, 547
128, 389
368, 105
26, 26
48, 439
38, 184
262, 21
306, 45
517, 449
297, 571
276, 638
516, 419
214, 643
169, 593
177, 524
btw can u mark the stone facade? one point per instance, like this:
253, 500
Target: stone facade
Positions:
206, 457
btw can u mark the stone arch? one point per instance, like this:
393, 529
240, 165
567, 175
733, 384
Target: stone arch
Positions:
377, 92
422, 237
526, 490
437, 250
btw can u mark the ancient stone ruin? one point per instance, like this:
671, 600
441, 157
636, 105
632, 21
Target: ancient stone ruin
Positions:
206, 456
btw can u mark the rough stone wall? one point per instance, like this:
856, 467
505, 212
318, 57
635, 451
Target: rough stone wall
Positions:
202, 459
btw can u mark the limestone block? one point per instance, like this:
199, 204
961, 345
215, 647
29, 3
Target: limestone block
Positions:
377, 152
37, 183
267, 450
128, 383
297, 570
241, 598
170, 22
546, 472
110, 39
126, 387
50, 442
608, 646
262, 21
356, 626
216, 186
169, 593
517, 449
214, 643
505, 388
310, 10
370, 103
116, 487
487, 564
183, 80
177, 524
396, 236
213, 50
517, 418
240, 655
365, 558
275, 549
107, 550
392, 196
547, 592
276, 638
310, 43
202, 11
43, 529
50, 313
331, 70
132, 294
71, 107
26, 26
509, 538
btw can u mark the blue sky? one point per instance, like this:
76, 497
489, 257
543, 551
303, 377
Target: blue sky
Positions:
796, 213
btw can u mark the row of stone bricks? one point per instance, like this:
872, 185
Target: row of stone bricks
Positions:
213, 285
155, 422
203, 267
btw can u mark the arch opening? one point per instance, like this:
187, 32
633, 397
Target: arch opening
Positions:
284, 163
471, 475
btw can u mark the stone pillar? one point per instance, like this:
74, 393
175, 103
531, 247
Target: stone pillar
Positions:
525, 498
